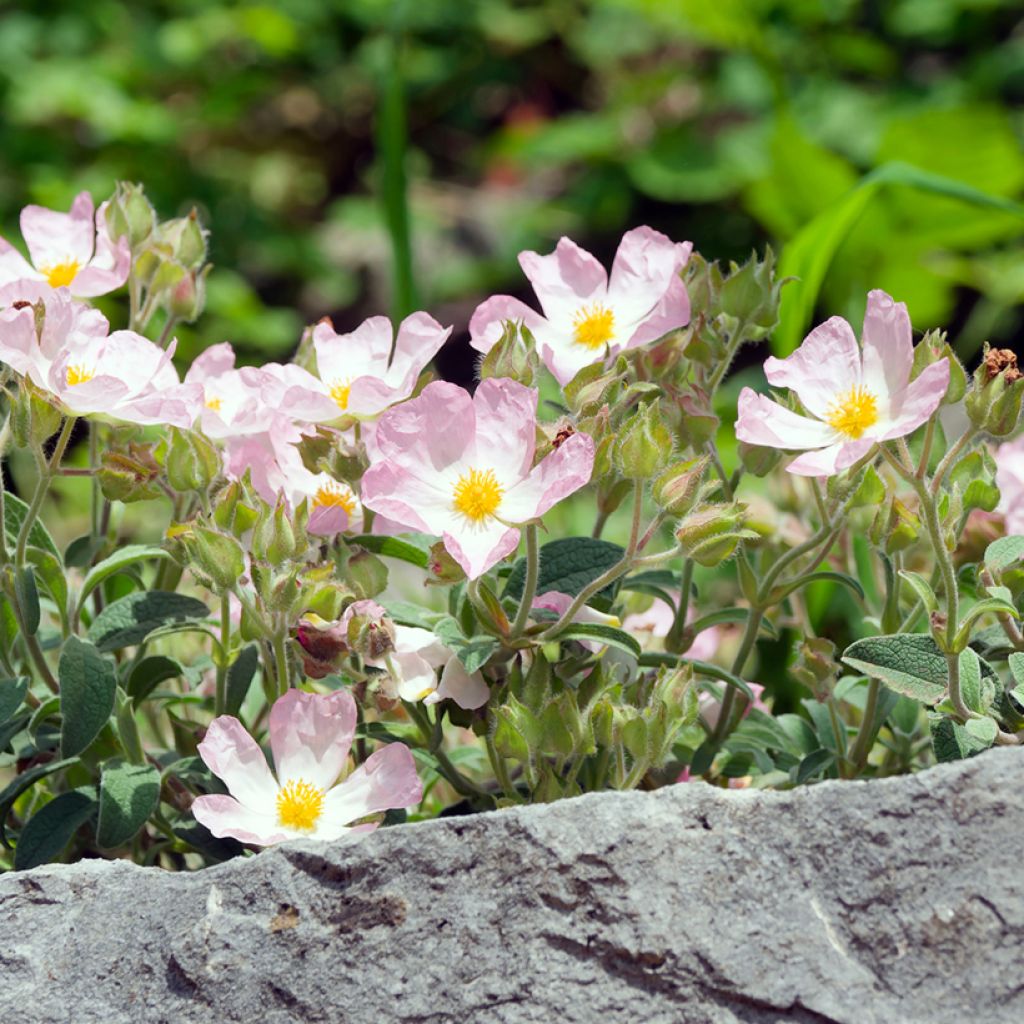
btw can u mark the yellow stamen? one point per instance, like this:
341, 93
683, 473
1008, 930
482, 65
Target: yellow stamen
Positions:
340, 391
854, 413
332, 496
61, 274
477, 494
214, 404
593, 326
299, 805
78, 374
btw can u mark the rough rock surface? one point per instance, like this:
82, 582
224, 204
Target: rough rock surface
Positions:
897, 901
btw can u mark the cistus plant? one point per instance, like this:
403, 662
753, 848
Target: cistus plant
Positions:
405, 593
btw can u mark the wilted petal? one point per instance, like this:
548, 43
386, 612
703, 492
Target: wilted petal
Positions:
311, 735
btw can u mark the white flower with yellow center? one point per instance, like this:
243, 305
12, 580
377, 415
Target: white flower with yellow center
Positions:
68, 250
310, 736
461, 468
588, 315
857, 396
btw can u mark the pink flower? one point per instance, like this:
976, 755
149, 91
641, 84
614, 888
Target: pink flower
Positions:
333, 505
1010, 481
461, 468
656, 622
588, 316
232, 403
310, 736
858, 396
414, 663
357, 375
71, 250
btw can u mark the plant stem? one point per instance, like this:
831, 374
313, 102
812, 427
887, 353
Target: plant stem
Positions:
950, 457
46, 474
220, 696
865, 735
500, 770
281, 662
730, 353
530, 584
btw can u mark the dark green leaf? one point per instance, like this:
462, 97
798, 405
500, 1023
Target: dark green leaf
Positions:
81, 551
952, 742
12, 693
405, 613
129, 794
608, 635
473, 652
414, 548
14, 515
50, 573
814, 764
825, 575
50, 829
150, 673
240, 676
118, 561
131, 619
567, 566
200, 838
909, 663
20, 783
87, 686
28, 598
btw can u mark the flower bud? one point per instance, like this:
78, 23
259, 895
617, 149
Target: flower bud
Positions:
644, 444
513, 356
365, 573
217, 555
994, 403
324, 645
443, 568
676, 489
368, 630
192, 461
895, 527
129, 476
711, 535
34, 418
750, 295
758, 460
129, 214
816, 666
698, 423
229, 512
933, 348
187, 298
187, 240
703, 285
274, 538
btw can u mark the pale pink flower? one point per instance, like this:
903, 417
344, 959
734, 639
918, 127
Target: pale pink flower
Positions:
655, 623
461, 468
270, 456
587, 315
357, 374
557, 602
71, 250
232, 398
310, 736
333, 505
857, 395
1010, 481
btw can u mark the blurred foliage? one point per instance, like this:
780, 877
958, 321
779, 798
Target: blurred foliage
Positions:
733, 123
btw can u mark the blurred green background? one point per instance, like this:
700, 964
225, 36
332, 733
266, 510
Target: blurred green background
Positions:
300, 129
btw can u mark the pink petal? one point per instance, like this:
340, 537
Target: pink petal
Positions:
417, 676
108, 270
226, 818
562, 355
420, 337
645, 265
506, 427
477, 548
765, 422
345, 356
488, 321
671, 313
392, 491
211, 363
386, 779
178, 406
915, 404
565, 470
430, 432
236, 759
14, 270
468, 691
54, 238
311, 735
824, 367
564, 280
831, 460
888, 346
19, 347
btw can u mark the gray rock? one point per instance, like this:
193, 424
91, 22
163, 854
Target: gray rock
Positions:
897, 901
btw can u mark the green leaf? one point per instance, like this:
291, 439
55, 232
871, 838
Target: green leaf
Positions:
405, 548
28, 598
472, 652
50, 573
909, 663
405, 613
567, 566
50, 829
12, 693
983, 730
129, 794
952, 742
1003, 553
81, 551
608, 635
814, 764
15, 511
817, 577
20, 783
131, 619
87, 686
970, 681
240, 676
988, 605
11, 728
922, 588
120, 559
149, 673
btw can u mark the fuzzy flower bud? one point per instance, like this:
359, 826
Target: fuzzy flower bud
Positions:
750, 295
994, 403
644, 445
187, 240
514, 356
217, 556
192, 462
368, 630
933, 348
677, 489
711, 535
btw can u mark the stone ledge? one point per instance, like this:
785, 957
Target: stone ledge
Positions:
899, 901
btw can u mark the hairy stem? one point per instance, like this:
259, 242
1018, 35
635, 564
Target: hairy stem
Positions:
530, 584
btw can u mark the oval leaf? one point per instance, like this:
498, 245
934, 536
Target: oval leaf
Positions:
14, 515
608, 635
131, 619
49, 830
567, 566
150, 673
12, 693
240, 676
120, 559
909, 663
87, 686
129, 794
413, 548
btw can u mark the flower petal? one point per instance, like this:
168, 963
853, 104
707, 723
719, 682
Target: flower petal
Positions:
488, 321
825, 366
108, 270
916, 403
55, 238
831, 460
564, 280
888, 347
479, 546
386, 779
392, 491
430, 432
506, 428
226, 818
671, 313
645, 265
311, 735
765, 422
556, 476
419, 339
14, 269
468, 691
236, 759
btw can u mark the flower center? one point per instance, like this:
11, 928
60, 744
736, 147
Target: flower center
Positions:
61, 274
853, 413
299, 805
477, 494
332, 496
214, 404
340, 390
79, 374
593, 326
